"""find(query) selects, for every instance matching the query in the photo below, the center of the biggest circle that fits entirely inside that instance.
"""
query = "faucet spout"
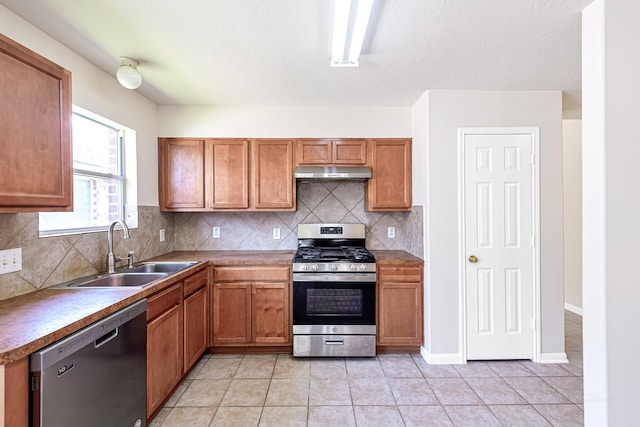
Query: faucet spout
(112, 260)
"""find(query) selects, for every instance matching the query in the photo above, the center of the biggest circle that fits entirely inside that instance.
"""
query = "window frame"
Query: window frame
(125, 136)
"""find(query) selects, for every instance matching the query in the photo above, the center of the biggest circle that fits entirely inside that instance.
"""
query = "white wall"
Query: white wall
(611, 208)
(572, 190)
(446, 112)
(284, 122)
(99, 93)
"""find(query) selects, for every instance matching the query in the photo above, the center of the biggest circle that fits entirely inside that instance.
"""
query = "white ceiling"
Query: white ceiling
(276, 52)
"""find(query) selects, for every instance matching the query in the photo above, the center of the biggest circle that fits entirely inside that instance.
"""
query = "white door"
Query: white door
(498, 243)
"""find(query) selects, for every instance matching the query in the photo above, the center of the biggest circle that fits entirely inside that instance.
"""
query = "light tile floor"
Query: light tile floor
(389, 390)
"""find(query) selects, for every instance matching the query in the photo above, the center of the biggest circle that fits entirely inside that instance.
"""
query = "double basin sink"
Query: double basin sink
(137, 277)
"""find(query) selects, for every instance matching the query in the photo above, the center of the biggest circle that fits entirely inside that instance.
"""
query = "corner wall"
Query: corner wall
(446, 112)
(572, 190)
(611, 208)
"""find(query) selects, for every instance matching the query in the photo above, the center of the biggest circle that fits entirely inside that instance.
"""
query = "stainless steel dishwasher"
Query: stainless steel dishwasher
(95, 377)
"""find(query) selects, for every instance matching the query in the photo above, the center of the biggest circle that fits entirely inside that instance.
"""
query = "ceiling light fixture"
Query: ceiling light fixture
(350, 21)
(128, 74)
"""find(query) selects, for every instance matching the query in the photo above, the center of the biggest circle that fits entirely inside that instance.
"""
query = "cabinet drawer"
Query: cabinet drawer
(400, 274)
(251, 274)
(163, 300)
(195, 282)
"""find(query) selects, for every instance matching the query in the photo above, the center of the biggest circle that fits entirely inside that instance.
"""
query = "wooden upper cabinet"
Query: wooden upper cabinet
(273, 181)
(349, 152)
(181, 174)
(389, 188)
(227, 174)
(331, 152)
(35, 132)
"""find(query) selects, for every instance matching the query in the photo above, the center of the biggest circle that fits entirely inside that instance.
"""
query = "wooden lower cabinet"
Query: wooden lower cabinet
(177, 335)
(400, 306)
(231, 313)
(196, 316)
(250, 306)
(164, 346)
(15, 380)
(270, 313)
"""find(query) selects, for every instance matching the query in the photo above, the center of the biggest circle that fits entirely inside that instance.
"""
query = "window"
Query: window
(99, 180)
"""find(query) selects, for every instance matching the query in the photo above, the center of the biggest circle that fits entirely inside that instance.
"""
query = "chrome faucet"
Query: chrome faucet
(112, 260)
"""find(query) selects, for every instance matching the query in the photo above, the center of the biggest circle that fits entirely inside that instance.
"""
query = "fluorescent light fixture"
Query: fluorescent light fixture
(349, 26)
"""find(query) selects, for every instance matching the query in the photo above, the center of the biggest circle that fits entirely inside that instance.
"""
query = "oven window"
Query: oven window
(334, 302)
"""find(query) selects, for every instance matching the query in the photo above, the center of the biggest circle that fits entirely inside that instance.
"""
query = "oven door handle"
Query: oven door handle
(334, 277)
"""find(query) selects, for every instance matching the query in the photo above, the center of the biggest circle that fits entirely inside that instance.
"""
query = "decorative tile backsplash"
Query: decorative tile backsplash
(332, 202)
(50, 261)
(53, 260)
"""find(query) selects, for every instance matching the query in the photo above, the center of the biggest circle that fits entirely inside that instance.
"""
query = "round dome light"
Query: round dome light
(128, 75)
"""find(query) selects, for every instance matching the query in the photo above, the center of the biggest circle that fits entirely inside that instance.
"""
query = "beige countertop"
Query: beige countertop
(32, 321)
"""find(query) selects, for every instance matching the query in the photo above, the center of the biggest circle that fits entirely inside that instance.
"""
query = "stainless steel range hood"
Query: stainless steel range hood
(332, 173)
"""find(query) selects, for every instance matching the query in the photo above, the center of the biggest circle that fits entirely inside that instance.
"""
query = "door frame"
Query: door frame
(534, 132)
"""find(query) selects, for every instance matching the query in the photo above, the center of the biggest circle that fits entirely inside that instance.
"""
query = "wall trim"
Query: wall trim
(573, 308)
(441, 359)
(553, 358)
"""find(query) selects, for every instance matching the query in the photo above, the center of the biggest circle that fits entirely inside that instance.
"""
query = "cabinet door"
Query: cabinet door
(164, 356)
(228, 174)
(389, 188)
(270, 313)
(274, 185)
(313, 152)
(231, 313)
(35, 128)
(181, 174)
(195, 326)
(349, 152)
(400, 313)
(16, 392)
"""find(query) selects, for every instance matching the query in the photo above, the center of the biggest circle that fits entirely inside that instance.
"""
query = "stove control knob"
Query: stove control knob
(363, 267)
(314, 267)
(305, 267)
(353, 267)
(334, 267)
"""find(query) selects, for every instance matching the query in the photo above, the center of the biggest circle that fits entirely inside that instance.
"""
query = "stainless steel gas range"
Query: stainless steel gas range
(334, 292)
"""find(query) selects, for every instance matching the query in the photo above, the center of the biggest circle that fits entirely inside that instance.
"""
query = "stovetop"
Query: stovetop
(334, 254)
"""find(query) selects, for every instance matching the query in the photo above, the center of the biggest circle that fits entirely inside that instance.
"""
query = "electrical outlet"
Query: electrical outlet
(10, 260)
(391, 232)
(276, 233)
(216, 232)
(162, 234)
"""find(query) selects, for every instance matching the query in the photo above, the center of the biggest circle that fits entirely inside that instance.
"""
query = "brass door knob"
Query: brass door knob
(473, 259)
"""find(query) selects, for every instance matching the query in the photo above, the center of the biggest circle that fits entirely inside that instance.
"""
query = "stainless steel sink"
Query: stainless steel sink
(160, 267)
(140, 276)
(131, 280)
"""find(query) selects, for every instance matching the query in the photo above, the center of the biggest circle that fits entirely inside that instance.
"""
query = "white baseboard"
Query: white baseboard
(554, 358)
(572, 308)
(441, 359)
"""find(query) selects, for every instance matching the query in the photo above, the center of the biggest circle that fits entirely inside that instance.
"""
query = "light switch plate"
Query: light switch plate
(276, 233)
(162, 235)
(216, 232)
(10, 260)
(391, 232)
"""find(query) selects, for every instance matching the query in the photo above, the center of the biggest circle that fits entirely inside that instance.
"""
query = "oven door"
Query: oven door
(334, 299)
